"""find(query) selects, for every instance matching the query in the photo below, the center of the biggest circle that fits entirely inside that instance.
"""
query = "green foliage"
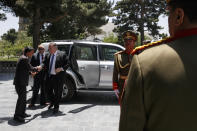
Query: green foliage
(111, 38)
(23, 38)
(2, 16)
(79, 18)
(10, 59)
(164, 35)
(147, 38)
(5, 7)
(8, 50)
(13, 6)
(138, 15)
(38, 11)
(10, 36)
(88, 17)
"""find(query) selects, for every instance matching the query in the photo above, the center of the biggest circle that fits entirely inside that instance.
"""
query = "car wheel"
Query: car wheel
(69, 90)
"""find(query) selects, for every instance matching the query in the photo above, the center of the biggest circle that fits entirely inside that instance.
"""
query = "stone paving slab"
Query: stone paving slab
(89, 111)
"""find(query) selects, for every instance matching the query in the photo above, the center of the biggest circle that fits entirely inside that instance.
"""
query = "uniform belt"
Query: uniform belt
(123, 77)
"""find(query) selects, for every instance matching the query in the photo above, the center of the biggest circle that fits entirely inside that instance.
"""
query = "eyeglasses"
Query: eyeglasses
(41, 48)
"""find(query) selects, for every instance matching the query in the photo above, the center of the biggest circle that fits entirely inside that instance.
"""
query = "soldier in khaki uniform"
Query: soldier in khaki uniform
(161, 90)
(122, 62)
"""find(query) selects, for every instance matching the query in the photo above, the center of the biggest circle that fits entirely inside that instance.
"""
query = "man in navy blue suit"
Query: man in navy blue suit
(39, 82)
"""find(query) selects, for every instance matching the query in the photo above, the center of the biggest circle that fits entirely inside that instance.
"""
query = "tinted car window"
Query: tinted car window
(64, 48)
(86, 53)
(107, 52)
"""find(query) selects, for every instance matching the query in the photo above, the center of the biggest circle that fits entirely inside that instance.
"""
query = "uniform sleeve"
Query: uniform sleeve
(132, 117)
(115, 74)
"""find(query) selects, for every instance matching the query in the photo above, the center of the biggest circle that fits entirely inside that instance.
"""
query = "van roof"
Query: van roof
(64, 42)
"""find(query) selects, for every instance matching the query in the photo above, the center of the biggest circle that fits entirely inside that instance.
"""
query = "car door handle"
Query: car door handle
(82, 68)
(105, 67)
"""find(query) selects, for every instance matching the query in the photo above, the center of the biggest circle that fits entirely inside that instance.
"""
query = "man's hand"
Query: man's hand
(57, 70)
(39, 68)
(117, 93)
(33, 74)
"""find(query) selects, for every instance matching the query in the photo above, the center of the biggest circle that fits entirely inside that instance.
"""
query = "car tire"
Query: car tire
(69, 90)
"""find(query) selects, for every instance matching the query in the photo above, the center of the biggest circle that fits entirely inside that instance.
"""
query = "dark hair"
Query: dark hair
(27, 49)
(189, 8)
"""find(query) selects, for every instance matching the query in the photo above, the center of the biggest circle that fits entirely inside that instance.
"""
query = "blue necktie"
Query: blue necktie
(42, 57)
(51, 64)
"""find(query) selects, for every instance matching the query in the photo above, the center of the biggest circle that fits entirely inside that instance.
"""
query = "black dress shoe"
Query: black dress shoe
(31, 106)
(50, 106)
(55, 110)
(26, 115)
(44, 104)
(19, 119)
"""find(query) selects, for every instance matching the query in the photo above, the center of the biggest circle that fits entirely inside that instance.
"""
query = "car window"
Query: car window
(64, 48)
(107, 52)
(85, 52)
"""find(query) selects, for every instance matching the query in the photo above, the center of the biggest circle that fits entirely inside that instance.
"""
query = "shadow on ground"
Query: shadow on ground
(80, 109)
(4, 119)
(82, 97)
(89, 97)
(94, 98)
(43, 114)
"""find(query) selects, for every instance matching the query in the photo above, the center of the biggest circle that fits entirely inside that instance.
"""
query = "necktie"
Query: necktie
(42, 57)
(51, 64)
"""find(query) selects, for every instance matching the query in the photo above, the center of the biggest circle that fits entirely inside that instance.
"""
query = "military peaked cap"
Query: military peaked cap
(129, 35)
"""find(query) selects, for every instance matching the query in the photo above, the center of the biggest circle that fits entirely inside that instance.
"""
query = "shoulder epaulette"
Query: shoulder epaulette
(141, 48)
(119, 52)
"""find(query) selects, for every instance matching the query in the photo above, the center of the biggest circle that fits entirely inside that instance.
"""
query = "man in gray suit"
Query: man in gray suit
(161, 90)
(21, 79)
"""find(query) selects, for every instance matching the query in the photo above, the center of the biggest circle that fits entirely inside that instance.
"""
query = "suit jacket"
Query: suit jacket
(61, 61)
(35, 61)
(23, 68)
(161, 90)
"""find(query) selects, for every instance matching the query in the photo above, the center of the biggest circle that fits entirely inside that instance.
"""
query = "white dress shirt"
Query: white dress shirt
(41, 57)
(53, 66)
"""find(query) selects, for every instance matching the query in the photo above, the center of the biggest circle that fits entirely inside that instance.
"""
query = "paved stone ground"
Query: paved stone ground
(89, 111)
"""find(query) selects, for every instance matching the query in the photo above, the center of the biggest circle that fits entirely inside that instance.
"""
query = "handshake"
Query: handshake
(36, 70)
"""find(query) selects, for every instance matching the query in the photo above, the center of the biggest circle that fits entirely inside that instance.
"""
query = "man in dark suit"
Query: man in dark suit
(55, 65)
(161, 90)
(39, 83)
(21, 80)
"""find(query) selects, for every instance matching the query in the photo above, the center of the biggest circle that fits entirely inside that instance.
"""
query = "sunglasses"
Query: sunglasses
(41, 49)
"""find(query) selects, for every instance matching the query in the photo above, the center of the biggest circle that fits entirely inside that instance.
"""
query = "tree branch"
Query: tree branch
(52, 20)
